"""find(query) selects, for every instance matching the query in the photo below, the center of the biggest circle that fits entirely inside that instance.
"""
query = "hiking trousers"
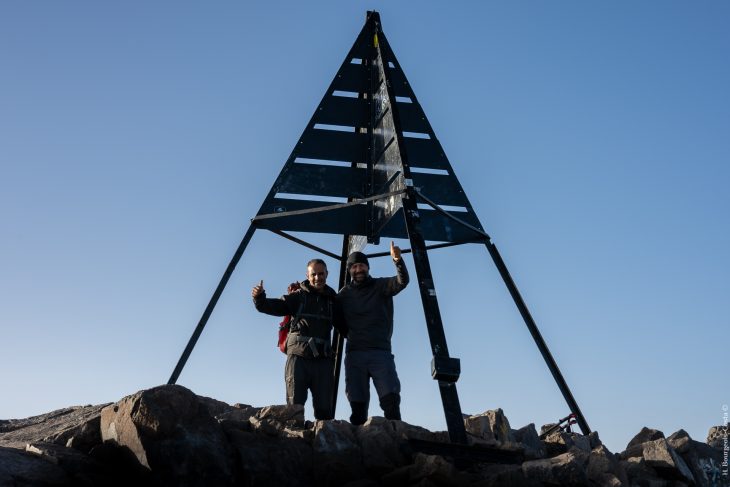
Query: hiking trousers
(361, 365)
(310, 374)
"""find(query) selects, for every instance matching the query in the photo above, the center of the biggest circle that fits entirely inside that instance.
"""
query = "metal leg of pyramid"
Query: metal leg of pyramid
(338, 341)
(522, 307)
(537, 336)
(211, 305)
(445, 369)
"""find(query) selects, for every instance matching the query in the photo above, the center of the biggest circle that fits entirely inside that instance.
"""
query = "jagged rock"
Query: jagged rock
(496, 475)
(428, 470)
(337, 456)
(547, 427)
(278, 420)
(594, 440)
(79, 424)
(169, 436)
(604, 469)
(435, 470)
(680, 441)
(83, 469)
(717, 437)
(267, 426)
(639, 473)
(704, 462)
(237, 414)
(635, 447)
(289, 415)
(214, 407)
(491, 426)
(380, 446)
(527, 437)
(18, 467)
(646, 434)
(171, 433)
(559, 442)
(567, 469)
(237, 418)
(667, 463)
(271, 461)
(405, 430)
(306, 434)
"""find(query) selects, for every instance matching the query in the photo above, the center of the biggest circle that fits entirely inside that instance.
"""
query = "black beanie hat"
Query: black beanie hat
(357, 258)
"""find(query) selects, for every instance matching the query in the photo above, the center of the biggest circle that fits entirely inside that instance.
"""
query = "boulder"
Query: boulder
(704, 462)
(76, 426)
(639, 473)
(214, 407)
(337, 456)
(528, 439)
(381, 446)
(405, 430)
(665, 461)
(604, 469)
(429, 470)
(646, 434)
(717, 437)
(635, 447)
(237, 414)
(567, 469)
(491, 426)
(171, 433)
(679, 441)
(559, 442)
(170, 436)
(237, 418)
(594, 440)
(81, 468)
(497, 475)
(268, 460)
(435, 470)
(289, 415)
(266, 426)
(18, 467)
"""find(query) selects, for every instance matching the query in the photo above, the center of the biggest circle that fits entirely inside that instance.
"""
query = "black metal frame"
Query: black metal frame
(376, 59)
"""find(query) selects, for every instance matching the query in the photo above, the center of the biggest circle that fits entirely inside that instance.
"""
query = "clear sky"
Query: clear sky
(137, 139)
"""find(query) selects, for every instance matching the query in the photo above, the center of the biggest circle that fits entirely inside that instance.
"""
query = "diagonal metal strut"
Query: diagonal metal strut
(526, 316)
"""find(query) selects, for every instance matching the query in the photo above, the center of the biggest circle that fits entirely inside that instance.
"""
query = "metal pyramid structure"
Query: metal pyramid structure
(368, 165)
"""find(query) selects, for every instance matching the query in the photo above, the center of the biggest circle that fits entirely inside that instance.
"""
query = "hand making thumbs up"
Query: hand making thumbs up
(258, 290)
(394, 251)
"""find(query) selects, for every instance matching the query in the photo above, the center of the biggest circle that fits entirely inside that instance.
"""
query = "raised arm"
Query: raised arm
(395, 284)
(274, 307)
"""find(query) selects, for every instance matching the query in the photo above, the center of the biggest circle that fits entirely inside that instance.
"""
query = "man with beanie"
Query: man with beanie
(367, 307)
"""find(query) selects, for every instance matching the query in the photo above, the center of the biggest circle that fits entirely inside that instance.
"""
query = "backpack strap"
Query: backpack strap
(294, 322)
(312, 342)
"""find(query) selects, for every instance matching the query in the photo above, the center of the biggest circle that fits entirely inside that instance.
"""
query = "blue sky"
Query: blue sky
(137, 140)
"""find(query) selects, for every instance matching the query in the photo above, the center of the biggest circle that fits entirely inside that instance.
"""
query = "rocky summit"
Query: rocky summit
(169, 436)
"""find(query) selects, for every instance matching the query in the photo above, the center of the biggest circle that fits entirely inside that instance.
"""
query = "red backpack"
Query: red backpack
(284, 325)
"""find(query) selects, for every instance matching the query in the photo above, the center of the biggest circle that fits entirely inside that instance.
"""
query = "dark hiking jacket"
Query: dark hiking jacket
(315, 313)
(367, 309)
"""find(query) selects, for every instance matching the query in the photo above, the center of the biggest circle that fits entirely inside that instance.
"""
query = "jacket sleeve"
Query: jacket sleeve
(338, 318)
(395, 284)
(275, 307)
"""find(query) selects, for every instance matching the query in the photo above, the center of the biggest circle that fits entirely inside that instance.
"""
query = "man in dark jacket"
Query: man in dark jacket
(367, 307)
(309, 361)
